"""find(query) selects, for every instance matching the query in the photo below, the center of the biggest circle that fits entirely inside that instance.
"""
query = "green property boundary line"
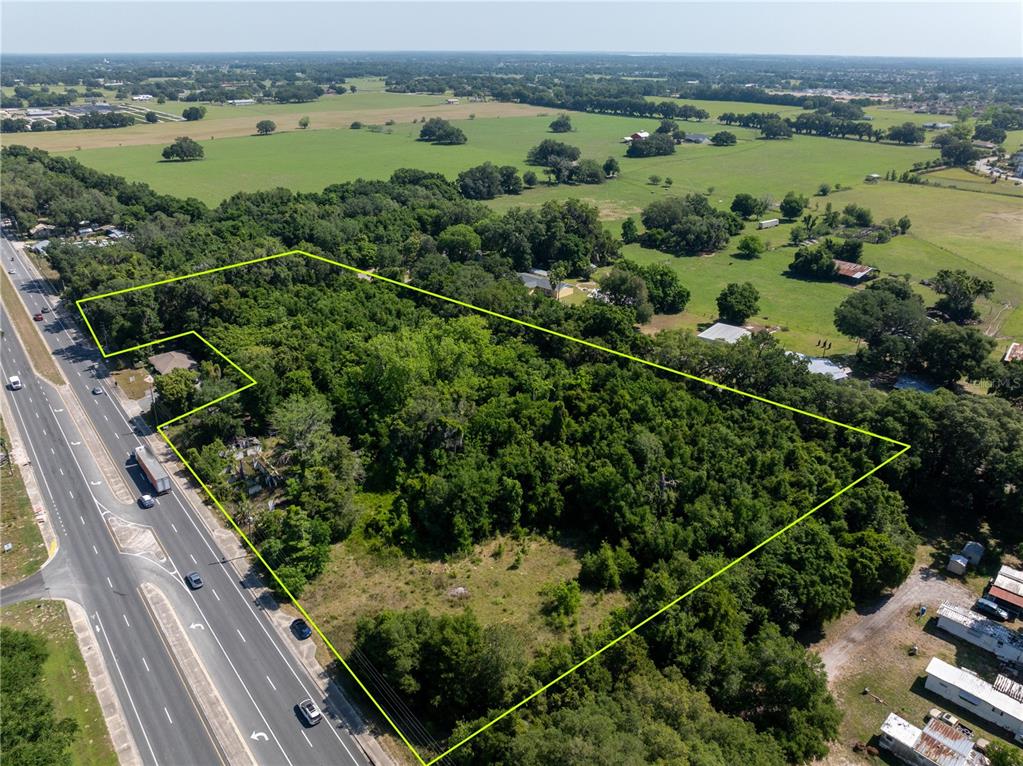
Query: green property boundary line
(251, 382)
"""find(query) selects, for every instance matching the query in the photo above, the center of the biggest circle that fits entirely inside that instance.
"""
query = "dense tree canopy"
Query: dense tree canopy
(473, 426)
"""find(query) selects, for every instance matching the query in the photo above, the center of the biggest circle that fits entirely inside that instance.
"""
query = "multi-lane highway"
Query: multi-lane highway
(252, 667)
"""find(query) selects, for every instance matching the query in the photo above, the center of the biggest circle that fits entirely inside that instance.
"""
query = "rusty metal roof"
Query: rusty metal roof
(944, 744)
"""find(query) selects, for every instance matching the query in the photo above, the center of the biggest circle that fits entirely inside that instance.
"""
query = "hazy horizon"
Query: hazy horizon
(942, 30)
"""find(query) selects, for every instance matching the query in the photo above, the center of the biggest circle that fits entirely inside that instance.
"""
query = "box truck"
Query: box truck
(151, 467)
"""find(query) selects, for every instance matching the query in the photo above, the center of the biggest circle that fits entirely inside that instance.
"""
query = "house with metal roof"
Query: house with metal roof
(1007, 590)
(724, 332)
(937, 744)
(1005, 643)
(852, 271)
(971, 692)
(542, 282)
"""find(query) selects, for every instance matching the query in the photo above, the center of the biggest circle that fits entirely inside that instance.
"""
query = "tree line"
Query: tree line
(477, 426)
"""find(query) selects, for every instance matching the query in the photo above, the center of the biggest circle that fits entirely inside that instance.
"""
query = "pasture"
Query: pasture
(310, 160)
(952, 228)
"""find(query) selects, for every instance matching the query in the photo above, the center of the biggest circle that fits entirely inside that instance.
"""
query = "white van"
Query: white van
(15, 382)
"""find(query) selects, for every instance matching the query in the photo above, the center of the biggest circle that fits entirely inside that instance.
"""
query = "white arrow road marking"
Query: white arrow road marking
(76, 444)
(259, 736)
(198, 625)
(95, 483)
(60, 410)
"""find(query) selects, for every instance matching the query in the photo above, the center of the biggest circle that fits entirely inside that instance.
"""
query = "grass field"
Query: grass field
(951, 230)
(958, 178)
(17, 525)
(503, 578)
(65, 678)
(309, 161)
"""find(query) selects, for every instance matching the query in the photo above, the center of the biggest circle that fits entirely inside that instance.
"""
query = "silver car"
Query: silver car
(310, 712)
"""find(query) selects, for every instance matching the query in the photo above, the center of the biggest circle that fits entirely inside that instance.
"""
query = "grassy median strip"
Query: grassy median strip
(65, 678)
(41, 358)
(17, 523)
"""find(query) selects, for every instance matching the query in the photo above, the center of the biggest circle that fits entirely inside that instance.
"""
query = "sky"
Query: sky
(812, 27)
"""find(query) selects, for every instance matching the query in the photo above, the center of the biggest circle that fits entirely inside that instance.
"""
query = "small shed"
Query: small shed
(957, 564)
(973, 552)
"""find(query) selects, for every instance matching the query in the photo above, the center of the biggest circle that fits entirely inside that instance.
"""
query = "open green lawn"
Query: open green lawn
(65, 678)
(314, 159)
(951, 230)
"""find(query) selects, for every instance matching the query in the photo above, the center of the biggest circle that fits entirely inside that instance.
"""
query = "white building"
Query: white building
(1004, 643)
(142, 97)
(937, 744)
(971, 692)
(725, 332)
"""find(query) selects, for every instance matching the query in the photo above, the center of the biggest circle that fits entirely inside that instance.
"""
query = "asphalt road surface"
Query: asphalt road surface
(258, 678)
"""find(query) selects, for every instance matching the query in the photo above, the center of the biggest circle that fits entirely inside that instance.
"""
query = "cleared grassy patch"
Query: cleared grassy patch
(24, 326)
(133, 382)
(17, 524)
(502, 577)
(66, 678)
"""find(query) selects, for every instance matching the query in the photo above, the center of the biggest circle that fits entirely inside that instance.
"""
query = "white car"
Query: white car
(310, 712)
(14, 382)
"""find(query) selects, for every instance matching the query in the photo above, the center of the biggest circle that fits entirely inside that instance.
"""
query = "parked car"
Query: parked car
(991, 609)
(301, 629)
(310, 712)
(941, 715)
(147, 501)
(194, 580)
